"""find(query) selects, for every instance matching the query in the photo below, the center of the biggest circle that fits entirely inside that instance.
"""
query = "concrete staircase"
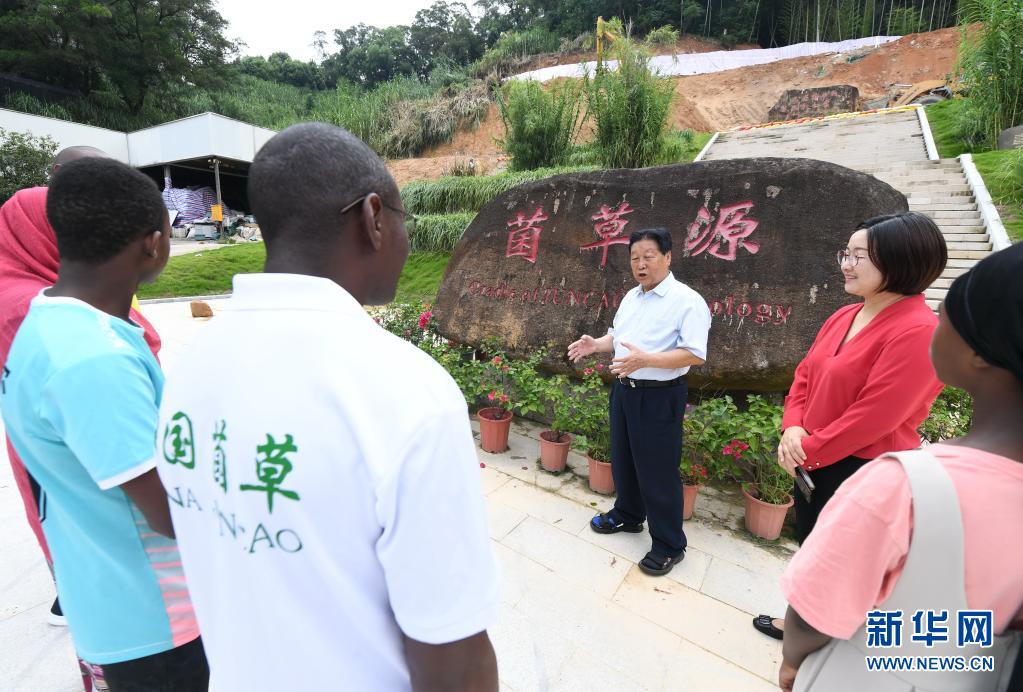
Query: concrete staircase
(891, 147)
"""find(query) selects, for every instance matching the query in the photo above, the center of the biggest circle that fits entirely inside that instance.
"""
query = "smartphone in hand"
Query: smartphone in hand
(804, 483)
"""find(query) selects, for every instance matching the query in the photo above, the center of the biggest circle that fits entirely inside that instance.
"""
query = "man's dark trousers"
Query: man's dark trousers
(646, 448)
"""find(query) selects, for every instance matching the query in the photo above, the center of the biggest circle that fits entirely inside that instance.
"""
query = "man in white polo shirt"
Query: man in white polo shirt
(659, 332)
(323, 478)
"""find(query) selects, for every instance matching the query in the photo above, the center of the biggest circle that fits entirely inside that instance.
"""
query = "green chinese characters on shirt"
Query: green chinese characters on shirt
(178, 441)
(272, 468)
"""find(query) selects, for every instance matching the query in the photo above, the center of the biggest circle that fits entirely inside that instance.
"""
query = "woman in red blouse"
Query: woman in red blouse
(867, 382)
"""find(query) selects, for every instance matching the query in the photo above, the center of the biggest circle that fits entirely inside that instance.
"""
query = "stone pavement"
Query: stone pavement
(577, 613)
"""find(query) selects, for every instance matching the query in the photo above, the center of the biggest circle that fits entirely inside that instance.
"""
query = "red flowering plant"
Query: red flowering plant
(754, 451)
(691, 472)
(494, 382)
(411, 321)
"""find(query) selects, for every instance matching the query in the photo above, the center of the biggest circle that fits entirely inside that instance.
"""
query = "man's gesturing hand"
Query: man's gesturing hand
(585, 346)
(625, 365)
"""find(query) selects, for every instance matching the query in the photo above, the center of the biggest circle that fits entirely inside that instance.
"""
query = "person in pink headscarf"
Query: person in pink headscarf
(28, 264)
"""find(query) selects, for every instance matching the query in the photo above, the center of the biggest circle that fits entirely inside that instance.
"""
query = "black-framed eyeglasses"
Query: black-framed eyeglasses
(409, 219)
(844, 256)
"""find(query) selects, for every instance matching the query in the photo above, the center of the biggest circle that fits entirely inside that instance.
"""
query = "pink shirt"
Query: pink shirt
(857, 550)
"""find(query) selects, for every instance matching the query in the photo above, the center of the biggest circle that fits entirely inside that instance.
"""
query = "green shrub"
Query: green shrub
(950, 416)
(755, 450)
(663, 36)
(676, 147)
(513, 49)
(629, 107)
(465, 168)
(707, 428)
(580, 44)
(991, 60)
(24, 161)
(592, 423)
(539, 123)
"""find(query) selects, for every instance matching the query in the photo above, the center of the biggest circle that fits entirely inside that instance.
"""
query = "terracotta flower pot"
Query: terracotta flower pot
(495, 423)
(689, 493)
(554, 452)
(601, 480)
(764, 519)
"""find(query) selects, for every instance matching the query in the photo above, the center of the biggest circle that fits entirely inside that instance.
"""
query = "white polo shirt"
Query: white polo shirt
(325, 492)
(669, 316)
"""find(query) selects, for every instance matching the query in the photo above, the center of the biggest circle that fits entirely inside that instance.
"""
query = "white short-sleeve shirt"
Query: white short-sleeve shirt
(325, 492)
(667, 317)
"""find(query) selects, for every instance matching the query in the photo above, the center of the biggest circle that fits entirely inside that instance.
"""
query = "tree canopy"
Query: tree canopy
(119, 54)
(129, 46)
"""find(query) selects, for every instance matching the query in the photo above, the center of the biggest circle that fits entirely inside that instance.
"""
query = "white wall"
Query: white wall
(202, 135)
(67, 134)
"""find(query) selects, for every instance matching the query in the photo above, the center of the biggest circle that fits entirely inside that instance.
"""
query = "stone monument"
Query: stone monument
(757, 238)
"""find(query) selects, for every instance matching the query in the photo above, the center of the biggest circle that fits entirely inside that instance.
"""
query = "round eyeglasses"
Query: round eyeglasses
(844, 256)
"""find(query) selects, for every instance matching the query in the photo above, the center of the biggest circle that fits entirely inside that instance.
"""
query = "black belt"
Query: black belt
(633, 384)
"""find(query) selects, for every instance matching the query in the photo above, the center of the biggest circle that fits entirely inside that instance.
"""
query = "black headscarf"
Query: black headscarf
(985, 305)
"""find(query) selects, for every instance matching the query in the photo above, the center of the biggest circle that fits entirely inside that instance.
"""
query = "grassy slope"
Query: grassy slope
(209, 273)
(943, 120)
(988, 163)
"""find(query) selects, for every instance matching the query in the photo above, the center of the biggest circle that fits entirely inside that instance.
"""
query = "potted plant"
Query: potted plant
(693, 476)
(766, 499)
(766, 492)
(495, 418)
(593, 424)
(556, 441)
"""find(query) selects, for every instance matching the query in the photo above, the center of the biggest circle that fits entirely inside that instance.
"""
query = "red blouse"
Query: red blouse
(869, 395)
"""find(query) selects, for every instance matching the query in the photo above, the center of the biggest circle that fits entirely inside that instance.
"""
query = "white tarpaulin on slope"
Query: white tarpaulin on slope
(718, 61)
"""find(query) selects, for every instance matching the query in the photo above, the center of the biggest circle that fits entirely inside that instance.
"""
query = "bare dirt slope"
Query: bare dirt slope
(723, 100)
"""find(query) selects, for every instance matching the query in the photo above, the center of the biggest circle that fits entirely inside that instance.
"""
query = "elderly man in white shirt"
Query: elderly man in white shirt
(659, 332)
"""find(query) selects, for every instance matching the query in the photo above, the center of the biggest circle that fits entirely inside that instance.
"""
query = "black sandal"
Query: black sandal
(765, 624)
(605, 523)
(659, 565)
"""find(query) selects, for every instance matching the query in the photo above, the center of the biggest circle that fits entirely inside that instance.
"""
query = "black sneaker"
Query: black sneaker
(605, 523)
(56, 616)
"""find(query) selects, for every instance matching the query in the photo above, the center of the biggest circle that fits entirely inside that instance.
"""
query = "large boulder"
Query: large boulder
(809, 103)
(1011, 138)
(757, 238)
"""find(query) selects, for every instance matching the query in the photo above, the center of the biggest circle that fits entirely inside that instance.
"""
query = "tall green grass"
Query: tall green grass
(991, 60)
(468, 194)
(629, 107)
(540, 123)
(439, 232)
